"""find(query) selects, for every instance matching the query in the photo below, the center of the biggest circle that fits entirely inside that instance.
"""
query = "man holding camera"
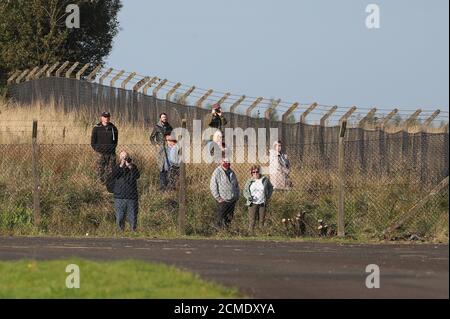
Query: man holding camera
(217, 120)
(126, 196)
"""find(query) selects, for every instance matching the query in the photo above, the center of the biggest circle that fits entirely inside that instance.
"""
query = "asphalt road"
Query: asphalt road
(268, 269)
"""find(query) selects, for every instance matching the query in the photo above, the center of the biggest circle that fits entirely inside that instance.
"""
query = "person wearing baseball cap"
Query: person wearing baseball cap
(104, 140)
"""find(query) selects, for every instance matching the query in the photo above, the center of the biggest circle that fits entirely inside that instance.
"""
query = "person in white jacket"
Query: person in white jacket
(279, 167)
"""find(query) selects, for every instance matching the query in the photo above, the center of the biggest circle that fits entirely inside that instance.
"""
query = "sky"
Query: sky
(297, 50)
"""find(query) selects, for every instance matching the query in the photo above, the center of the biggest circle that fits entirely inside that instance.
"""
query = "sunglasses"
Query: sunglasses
(255, 172)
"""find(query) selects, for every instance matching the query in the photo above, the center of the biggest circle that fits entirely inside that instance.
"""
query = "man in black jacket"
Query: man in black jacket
(104, 140)
(216, 118)
(161, 129)
(126, 196)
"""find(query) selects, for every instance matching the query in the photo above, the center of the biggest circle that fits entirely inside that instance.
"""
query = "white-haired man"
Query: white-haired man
(224, 187)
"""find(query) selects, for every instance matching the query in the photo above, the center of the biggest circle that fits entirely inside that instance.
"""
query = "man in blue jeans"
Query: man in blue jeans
(126, 198)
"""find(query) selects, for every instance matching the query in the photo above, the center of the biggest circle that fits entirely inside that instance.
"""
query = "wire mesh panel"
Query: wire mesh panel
(90, 99)
(74, 200)
(374, 199)
(385, 174)
(429, 222)
(16, 187)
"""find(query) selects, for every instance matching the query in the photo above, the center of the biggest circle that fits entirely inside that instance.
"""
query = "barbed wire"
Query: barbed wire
(286, 104)
(263, 105)
(283, 105)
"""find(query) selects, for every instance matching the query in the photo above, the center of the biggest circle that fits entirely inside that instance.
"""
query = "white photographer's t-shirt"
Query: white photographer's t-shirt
(257, 192)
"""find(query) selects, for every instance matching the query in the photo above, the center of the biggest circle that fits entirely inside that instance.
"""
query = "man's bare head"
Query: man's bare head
(163, 117)
(122, 155)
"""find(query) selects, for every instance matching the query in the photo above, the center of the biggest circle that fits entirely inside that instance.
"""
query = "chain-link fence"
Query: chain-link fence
(74, 200)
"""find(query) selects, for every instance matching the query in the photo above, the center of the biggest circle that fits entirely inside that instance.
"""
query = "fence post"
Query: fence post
(200, 101)
(341, 187)
(36, 187)
(182, 191)
(236, 104)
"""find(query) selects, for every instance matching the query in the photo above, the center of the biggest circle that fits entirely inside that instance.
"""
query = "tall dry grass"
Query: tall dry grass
(56, 126)
(74, 203)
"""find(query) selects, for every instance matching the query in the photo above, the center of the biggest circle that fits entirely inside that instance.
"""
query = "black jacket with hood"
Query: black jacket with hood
(125, 182)
(104, 138)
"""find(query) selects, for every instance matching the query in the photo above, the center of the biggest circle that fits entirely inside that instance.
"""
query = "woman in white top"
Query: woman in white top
(257, 192)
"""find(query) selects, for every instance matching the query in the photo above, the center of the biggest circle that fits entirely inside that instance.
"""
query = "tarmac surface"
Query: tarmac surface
(267, 269)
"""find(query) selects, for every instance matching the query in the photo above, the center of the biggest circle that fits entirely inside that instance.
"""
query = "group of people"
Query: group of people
(121, 178)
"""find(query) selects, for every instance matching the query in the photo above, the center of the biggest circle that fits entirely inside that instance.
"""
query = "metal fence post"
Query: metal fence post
(182, 191)
(341, 187)
(36, 187)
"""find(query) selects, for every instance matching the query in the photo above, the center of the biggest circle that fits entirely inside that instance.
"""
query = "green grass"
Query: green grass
(118, 279)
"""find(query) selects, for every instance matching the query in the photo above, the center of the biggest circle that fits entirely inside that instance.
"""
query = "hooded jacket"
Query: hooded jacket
(104, 138)
(125, 182)
(160, 129)
(279, 169)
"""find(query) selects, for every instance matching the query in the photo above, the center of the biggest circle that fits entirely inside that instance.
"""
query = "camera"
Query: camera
(128, 159)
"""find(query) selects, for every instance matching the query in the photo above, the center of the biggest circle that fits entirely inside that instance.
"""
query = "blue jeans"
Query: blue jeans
(129, 208)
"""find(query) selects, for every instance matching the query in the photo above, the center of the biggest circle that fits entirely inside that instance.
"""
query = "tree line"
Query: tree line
(34, 32)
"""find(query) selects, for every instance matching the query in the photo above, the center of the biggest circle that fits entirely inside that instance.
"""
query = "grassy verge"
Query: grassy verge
(120, 279)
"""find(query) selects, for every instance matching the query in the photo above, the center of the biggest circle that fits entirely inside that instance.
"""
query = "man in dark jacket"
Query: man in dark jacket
(161, 129)
(216, 119)
(126, 196)
(104, 140)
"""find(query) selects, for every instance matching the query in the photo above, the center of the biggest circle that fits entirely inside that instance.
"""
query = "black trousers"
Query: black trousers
(225, 213)
(168, 180)
(163, 180)
(105, 164)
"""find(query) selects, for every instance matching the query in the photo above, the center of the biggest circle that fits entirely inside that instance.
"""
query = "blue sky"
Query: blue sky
(296, 50)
